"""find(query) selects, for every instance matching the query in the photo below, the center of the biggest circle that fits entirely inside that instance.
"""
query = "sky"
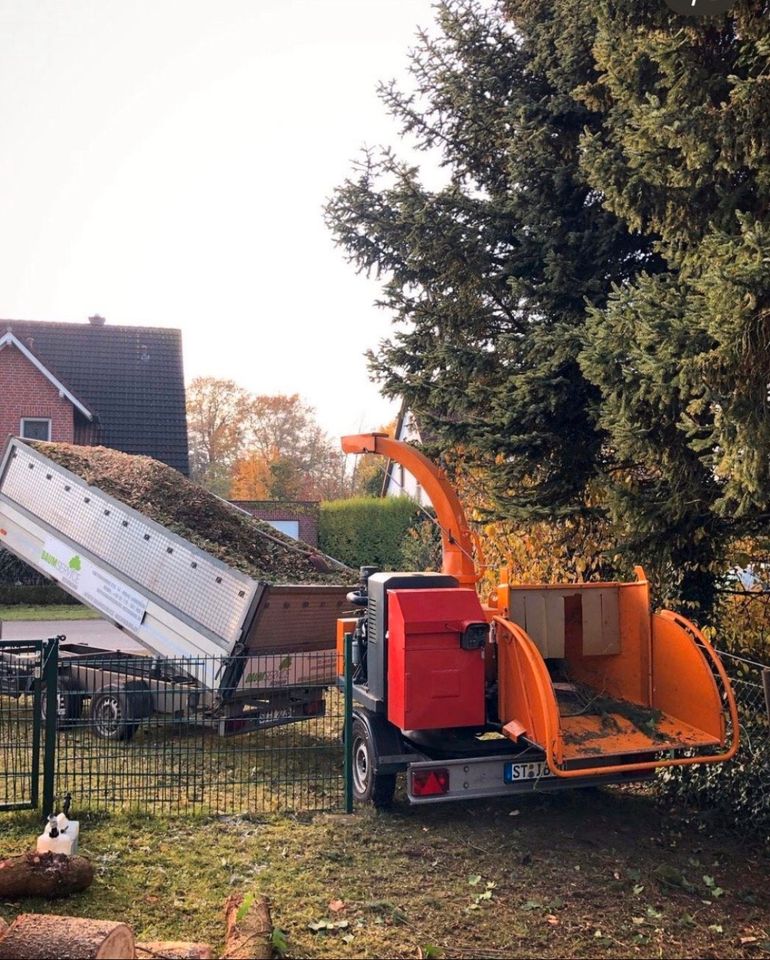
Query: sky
(166, 163)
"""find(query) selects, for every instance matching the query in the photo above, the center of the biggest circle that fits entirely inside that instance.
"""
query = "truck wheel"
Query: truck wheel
(69, 703)
(111, 717)
(368, 785)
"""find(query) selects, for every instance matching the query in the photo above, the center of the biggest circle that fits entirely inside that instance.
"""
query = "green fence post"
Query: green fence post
(348, 734)
(37, 723)
(51, 684)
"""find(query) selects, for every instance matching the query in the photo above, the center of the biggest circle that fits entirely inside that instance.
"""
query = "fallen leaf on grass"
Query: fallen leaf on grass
(745, 940)
(336, 905)
(328, 925)
(670, 877)
(554, 921)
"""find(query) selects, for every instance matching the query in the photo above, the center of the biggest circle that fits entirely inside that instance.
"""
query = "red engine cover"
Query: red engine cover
(432, 681)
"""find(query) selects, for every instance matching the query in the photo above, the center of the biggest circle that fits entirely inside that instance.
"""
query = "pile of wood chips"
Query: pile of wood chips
(187, 509)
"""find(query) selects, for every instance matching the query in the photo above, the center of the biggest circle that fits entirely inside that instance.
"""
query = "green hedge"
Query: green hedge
(15, 571)
(368, 530)
(37, 596)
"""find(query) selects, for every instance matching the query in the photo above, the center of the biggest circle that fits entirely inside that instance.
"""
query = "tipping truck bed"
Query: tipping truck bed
(173, 598)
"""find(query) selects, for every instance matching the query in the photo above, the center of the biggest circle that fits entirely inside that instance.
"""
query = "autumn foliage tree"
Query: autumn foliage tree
(216, 426)
(257, 447)
(287, 456)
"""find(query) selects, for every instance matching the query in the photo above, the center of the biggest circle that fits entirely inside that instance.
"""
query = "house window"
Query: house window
(289, 527)
(35, 428)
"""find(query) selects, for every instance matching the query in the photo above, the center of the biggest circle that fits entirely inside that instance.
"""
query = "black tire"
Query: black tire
(111, 717)
(368, 785)
(69, 703)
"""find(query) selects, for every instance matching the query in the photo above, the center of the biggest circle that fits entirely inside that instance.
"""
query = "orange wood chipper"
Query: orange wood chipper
(546, 686)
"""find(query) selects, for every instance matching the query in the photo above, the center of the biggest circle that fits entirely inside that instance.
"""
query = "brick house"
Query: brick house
(95, 384)
(298, 519)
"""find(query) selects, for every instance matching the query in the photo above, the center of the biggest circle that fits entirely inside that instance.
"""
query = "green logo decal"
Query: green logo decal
(75, 563)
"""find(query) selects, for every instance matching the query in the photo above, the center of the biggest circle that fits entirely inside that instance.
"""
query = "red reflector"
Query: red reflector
(430, 783)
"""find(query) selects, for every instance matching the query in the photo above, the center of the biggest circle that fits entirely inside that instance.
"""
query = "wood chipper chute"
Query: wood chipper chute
(544, 686)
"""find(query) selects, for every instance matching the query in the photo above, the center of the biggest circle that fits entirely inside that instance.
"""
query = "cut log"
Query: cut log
(3, 928)
(248, 928)
(34, 936)
(44, 875)
(173, 950)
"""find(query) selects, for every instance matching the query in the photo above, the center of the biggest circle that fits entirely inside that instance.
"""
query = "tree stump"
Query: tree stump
(173, 950)
(44, 875)
(248, 928)
(34, 936)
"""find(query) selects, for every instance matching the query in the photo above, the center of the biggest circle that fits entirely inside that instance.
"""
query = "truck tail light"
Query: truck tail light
(430, 783)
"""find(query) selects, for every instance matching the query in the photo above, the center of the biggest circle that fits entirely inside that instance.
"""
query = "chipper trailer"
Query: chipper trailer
(545, 687)
(223, 649)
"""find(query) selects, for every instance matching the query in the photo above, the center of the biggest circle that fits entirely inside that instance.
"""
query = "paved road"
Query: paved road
(94, 633)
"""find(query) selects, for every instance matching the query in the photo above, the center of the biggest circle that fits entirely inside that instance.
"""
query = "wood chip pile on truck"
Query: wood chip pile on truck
(180, 571)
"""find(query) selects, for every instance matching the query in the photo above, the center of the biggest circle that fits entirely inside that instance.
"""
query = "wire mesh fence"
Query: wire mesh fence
(233, 735)
(746, 680)
(20, 668)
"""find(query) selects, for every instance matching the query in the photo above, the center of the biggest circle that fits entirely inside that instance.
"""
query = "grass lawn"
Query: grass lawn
(60, 611)
(603, 873)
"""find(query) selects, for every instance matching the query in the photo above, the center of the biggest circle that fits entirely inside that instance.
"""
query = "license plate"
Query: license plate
(516, 772)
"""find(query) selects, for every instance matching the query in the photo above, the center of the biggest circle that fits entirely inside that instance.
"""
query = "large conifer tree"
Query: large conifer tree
(487, 278)
(682, 359)
(586, 304)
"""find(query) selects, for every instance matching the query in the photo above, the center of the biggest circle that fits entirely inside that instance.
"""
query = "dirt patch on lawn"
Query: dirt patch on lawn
(164, 495)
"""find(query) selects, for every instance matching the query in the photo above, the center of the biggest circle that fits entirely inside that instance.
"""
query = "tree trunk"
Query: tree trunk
(34, 936)
(249, 937)
(173, 950)
(44, 875)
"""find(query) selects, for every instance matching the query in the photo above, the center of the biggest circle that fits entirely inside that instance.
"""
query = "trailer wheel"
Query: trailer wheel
(111, 715)
(69, 703)
(368, 785)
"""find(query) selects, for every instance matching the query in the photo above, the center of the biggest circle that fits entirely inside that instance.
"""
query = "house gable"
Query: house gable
(30, 394)
(129, 378)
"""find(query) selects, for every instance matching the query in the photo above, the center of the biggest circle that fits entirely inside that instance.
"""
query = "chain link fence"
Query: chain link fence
(746, 678)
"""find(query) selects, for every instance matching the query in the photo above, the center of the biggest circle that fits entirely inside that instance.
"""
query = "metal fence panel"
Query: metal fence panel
(141, 733)
(25, 668)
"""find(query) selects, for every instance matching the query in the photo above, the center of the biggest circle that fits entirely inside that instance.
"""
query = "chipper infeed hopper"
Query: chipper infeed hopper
(173, 598)
(603, 685)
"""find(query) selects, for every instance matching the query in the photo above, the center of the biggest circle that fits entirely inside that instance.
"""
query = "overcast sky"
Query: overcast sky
(166, 162)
